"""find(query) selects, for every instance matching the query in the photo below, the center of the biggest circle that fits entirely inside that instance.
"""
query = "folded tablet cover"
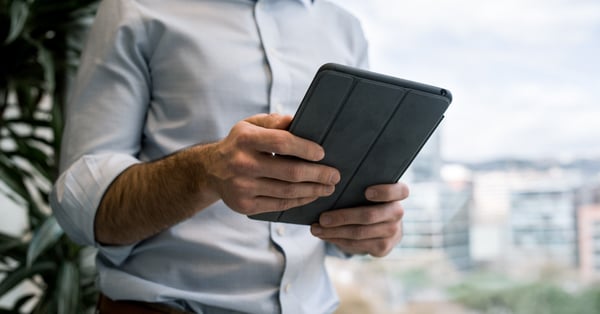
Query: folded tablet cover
(371, 126)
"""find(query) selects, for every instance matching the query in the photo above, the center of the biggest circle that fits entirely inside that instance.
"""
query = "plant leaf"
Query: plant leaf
(12, 248)
(68, 288)
(45, 60)
(36, 214)
(13, 178)
(31, 122)
(17, 276)
(7, 245)
(19, 12)
(57, 127)
(7, 237)
(22, 301)
(45, 237)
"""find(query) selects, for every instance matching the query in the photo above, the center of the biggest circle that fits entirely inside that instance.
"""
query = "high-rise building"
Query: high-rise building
(542, 224)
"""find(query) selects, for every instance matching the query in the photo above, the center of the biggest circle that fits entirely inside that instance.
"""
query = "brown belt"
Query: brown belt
(108, 306)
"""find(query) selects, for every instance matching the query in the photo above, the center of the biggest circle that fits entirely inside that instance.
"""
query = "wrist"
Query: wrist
(197, 165)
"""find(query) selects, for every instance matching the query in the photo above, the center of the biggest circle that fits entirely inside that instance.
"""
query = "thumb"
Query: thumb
(271, 121)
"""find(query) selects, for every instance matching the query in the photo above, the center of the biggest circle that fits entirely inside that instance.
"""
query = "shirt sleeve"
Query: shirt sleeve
(104, 120)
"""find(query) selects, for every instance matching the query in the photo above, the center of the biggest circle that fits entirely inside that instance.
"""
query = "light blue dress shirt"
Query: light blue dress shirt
(158, 76)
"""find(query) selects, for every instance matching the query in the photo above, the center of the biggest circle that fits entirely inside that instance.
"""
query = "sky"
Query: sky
(525, 74)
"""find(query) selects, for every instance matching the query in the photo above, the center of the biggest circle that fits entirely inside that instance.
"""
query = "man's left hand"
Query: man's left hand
(374, 229)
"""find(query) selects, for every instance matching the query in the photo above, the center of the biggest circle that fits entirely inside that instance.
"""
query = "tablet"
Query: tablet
(371, 126)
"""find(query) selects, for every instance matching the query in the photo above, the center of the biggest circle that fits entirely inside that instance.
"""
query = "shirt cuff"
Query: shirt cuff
(77, 193)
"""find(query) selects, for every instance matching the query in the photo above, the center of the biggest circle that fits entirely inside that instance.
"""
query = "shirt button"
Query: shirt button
(287, 288)
(281, 231)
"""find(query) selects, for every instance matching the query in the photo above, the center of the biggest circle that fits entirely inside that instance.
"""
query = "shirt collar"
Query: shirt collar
(307, 2)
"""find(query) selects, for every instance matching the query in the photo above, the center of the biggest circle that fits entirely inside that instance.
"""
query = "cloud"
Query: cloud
(521, 20)
(524, 73)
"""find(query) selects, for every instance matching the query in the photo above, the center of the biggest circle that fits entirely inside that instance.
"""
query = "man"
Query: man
(168, 146)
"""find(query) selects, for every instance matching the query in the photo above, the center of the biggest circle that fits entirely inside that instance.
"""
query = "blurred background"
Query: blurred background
(504, 213)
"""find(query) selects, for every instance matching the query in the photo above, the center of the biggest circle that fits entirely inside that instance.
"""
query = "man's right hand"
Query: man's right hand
(241, 170)
(261, 167)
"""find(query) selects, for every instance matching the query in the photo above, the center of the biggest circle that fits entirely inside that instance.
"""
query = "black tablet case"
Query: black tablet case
(371, 126)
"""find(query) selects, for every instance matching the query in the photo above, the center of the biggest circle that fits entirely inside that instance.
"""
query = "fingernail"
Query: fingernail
(329, 190)
(326, 220)
(316, 230)
(319, 155)
(371, 194)
(334, 178)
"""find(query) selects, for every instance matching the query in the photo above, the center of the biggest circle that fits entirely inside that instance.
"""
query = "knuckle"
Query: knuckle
(288, 191)
(295, 173)
(368, 215)
(398, 211)
(324, 189)
(361, 232)
(242, 135)
(340, 218)
(241, 164)
(323, 175)
(280, 144)
(246, 205)
(391, 230)
(381, 249)
(240, 185)
(237, 204)
(284, 204)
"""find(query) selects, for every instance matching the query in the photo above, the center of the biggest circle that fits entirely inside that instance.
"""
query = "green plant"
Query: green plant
(493, 294)
(40, 43)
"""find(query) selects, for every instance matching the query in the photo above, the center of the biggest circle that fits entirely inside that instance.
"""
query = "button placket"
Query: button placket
(280, 76)
(280, 230)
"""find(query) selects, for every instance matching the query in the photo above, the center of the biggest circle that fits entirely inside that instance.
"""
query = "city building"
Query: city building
(437, 213)
(588, 222)
(542, 225)
(588, 231)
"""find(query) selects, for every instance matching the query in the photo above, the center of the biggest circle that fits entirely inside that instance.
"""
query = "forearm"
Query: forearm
(240, 170)
(150, 197)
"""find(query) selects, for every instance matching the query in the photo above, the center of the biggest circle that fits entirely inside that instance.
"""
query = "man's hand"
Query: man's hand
(240, 169)
(252, 172)
(373, 230)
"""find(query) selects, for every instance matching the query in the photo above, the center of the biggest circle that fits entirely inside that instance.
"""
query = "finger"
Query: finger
(264, 204)
(357, 232)
(375, 247)
(387, 192)
(287, 190)
(285, 143)
(294, 170)
(262, 133)
(365, 215)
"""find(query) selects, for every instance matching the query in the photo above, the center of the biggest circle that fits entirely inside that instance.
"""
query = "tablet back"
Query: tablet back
(371, 126)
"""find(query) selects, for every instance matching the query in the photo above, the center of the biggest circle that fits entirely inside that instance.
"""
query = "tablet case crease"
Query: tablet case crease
(371, 126)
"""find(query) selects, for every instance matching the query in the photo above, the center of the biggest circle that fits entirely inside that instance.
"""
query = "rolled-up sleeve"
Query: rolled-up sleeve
(104, 121)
